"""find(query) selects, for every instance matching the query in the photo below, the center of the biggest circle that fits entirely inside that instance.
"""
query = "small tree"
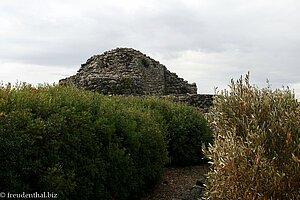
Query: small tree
(256, 149)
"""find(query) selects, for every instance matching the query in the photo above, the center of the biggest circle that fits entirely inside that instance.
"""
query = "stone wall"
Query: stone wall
(128, 71)
(125, 71)
(202, 101)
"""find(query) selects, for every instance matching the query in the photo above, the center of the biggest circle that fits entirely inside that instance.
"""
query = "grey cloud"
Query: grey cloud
(172, 27)
(260, 36)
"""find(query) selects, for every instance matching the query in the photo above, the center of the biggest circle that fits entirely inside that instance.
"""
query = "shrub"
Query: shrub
(145, 62)
(256, 148)
(185, 128)
(79, 144)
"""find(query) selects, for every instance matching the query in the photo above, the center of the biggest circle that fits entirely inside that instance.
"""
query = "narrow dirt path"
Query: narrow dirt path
(176, 180)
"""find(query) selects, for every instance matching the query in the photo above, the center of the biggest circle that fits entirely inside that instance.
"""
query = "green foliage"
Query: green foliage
(125, 82)
(185, 128)
(79, 144)
(123, 87)
(257, 148)
(84, 145)
(145, 62)
(185, 89)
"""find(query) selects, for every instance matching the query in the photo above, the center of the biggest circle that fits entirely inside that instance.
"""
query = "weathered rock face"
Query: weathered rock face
(128, 71)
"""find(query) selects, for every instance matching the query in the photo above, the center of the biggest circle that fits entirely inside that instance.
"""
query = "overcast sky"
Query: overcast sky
(203, 41)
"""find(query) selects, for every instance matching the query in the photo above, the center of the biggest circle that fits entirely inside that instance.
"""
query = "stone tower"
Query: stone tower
(128, 71)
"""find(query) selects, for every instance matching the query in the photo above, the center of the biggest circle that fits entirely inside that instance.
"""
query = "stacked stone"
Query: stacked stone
(128, 71)
(202, 101)
(176, 85)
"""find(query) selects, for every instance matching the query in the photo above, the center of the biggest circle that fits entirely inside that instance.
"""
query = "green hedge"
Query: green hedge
(185, 128)
(256, 152)
(79, 144)
(84, 145)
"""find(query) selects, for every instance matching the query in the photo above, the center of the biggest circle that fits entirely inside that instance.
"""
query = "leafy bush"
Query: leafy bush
(256, 148)
(79, 144)
(185, 128)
